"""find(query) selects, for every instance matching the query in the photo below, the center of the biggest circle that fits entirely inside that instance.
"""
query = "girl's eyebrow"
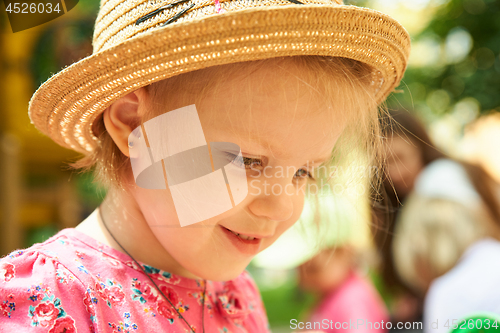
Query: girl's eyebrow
(249, 143)
(316, 161)
(320, 160)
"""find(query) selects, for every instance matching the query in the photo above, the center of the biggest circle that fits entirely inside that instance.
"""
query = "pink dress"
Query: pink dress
(73, 283)
(354, 307)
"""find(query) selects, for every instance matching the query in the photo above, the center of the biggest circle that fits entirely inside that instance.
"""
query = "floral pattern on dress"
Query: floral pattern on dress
(125, 326)
(7, 271)
(49, 311)
(80, 267)
(110, 291)
(73, 284)
(36, 292)
(165, 308)
(64, 325)
(44, 314)
(7, 306)
(16, 254)
(64, 240)
(230, 302)
(110, 260)
(144, 293)
(156, 273)
(90, 301)
(198, 296)
(80, 255)
(64, 275)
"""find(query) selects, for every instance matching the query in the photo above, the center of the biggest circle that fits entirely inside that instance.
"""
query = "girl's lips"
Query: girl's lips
(245, 246)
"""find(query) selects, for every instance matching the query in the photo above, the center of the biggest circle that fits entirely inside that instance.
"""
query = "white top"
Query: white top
(447, 179)
(472, 286)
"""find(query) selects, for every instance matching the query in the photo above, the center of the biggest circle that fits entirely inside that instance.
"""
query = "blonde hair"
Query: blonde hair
(330, 77)
(431, 235)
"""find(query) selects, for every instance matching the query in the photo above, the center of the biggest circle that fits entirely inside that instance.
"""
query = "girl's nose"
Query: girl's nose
(272, 205)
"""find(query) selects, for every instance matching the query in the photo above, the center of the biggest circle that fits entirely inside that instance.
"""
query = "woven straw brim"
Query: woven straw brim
(65, 106)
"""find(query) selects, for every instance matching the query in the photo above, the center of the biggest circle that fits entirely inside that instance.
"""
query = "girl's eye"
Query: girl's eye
(245, 162)
(303, 173)
(250, 163)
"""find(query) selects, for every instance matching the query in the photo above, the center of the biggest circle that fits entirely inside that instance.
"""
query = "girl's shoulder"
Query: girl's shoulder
(40, 288)
(72, 256)
(72, 282)
(69, 251)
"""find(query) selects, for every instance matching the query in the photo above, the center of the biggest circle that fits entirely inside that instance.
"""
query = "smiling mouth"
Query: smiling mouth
(244, 237)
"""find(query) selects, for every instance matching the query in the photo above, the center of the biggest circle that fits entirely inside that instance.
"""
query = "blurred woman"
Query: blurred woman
(408, 151)
(447, 243)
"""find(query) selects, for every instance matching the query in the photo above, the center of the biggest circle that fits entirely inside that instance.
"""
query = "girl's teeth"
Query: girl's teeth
(246, 237)
(242, 236)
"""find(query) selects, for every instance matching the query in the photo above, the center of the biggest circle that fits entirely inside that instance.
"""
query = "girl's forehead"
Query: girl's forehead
(271, 91)
(275, 108)
(283, 86)
(275, 103)
(258, 79)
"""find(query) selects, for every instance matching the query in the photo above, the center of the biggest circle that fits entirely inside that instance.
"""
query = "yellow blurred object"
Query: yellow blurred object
(36, 214)
(26, 154)
(18, 86)
(481, 143)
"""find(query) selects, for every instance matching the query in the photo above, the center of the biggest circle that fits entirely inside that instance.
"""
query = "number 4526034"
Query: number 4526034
(472, 323)
(25, 8)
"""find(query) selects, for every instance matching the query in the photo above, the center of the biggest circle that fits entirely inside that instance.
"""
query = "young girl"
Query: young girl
(279, 83)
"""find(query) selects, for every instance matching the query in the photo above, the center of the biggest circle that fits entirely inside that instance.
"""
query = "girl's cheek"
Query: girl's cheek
(298, 205)
(157, 206)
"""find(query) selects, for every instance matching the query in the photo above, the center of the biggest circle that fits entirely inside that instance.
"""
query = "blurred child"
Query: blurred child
(347, 299)
(447, 244)
(345, 295)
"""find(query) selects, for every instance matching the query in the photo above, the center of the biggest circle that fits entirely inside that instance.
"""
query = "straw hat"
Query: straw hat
(133, 49)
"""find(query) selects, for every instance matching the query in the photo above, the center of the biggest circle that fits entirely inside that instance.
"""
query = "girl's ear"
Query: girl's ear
(123, 116)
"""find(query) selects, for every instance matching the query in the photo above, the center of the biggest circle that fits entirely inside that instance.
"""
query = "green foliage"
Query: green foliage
(90, 192)
(40, 234)
(476, 74)
(285, 303)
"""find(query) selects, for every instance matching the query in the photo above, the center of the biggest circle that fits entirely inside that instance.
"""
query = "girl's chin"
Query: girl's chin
(223, 274)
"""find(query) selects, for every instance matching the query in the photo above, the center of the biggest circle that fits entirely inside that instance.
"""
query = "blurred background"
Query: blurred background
(452, 86)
